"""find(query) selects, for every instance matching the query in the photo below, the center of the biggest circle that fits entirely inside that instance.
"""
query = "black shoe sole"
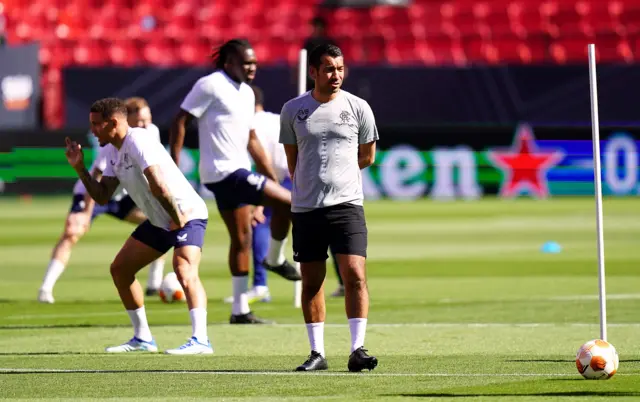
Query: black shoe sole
(290, 276)
(367, 366)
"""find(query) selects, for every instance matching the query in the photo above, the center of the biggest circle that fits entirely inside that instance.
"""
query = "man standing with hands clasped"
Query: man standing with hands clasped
(328, 136)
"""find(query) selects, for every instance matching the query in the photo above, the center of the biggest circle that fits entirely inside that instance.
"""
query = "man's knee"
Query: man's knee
(70, 237)
(241, 240)
(187, 275)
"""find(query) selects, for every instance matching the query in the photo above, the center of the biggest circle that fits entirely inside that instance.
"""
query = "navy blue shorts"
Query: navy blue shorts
(117, 209)
(240, 188)
(192, 234)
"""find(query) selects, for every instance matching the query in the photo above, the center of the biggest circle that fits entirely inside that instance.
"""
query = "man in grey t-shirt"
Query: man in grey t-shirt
(328, 136)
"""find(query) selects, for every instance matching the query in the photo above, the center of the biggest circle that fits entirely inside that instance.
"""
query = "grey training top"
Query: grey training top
(327, 136)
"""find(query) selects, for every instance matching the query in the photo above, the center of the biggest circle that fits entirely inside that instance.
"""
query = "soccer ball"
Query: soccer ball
(170, 289)
(597, 360)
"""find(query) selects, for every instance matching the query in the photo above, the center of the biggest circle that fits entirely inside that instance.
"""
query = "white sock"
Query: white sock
(140, 325)
(358, 328)
(275, 256)
(315, 331)
(156, 269)
(54, 270)
(199, 324)
(261, 289)
(240, 300)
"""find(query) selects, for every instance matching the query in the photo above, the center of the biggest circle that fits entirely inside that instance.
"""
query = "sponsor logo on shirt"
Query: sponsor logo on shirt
(302, 115)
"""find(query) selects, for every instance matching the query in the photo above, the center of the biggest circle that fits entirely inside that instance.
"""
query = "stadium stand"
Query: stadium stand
(181, 32)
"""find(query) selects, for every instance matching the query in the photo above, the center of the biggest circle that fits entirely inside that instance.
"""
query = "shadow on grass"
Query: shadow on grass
(541, 361)
(42, 353)
(142, 371)
(542, 394)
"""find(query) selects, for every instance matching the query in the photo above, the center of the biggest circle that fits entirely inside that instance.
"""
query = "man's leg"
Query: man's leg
(186, 262)
(349, 241)
(310, 245)
(134, 256)
(260, 247)
(135, 215)
(75, 227)
(238, 223)
(278, 198)
(339, 292)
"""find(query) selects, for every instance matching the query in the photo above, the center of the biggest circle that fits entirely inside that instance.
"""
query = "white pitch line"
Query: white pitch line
(428, 325)
(286, 373)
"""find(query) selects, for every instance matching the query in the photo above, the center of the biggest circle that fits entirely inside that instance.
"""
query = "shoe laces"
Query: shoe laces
(190, 342)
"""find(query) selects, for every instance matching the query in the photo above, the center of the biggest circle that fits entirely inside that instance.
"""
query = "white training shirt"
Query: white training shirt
(267, 127)
(138, 152)
(224, 109)
(100, 163)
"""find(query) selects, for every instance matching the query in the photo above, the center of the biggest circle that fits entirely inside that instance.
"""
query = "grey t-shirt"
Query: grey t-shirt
(327, 136)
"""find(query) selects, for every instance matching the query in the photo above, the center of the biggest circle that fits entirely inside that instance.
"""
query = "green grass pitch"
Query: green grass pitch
(463, 306)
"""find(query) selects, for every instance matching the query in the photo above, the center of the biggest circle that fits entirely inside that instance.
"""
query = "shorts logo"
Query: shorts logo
(182, 238)
(255, 180)
(302, 115)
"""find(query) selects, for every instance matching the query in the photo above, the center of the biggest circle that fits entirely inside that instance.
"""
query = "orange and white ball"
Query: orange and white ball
(170, 290)
(597, 360)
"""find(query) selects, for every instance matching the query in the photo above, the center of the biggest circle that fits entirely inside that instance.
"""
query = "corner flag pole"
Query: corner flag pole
(302, 88)
(595, 131)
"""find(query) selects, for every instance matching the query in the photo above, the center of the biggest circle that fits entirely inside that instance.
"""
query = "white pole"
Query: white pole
(302, 88)
(595, 130)
(302, 72)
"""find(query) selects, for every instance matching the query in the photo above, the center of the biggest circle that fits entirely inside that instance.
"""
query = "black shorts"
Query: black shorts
(342, 226)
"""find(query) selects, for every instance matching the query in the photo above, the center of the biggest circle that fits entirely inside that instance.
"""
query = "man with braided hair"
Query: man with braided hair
(223, 103)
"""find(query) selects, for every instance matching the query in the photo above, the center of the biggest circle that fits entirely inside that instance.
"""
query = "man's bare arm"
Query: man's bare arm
(260, 157)
(100, 190)
(177, 133)
(89, 203)
(162, 194)
(292, 157)
(366, 154)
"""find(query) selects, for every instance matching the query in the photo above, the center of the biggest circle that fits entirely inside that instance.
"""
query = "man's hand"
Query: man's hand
(258, 216)
(184, 218)
(74, 154)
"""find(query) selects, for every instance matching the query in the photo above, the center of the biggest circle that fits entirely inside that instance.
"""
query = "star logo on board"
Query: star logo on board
(524, 166)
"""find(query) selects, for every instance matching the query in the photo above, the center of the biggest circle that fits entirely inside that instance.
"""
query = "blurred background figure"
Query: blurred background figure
(317, 37)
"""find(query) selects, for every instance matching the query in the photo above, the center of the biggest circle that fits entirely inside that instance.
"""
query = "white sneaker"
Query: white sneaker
(192, 347)
(134, 345)
(45, 296)
(254, 295)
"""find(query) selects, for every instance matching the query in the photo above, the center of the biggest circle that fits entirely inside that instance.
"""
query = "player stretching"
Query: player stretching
(328, 136)
(224, 105)
(177, 218)
(83, 211)
(267, 128)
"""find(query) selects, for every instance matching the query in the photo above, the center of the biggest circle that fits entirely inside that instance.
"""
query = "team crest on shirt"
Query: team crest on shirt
(346, 119)
(127, 163)
(302, 115)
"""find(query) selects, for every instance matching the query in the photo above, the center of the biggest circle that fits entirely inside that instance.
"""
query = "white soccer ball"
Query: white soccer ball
(597, 360)
(170, 289)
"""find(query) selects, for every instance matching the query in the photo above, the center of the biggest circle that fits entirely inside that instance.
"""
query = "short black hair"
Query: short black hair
(315, 58)
(233, 46)
(259, 95)
(319, 22)
(107, 107)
